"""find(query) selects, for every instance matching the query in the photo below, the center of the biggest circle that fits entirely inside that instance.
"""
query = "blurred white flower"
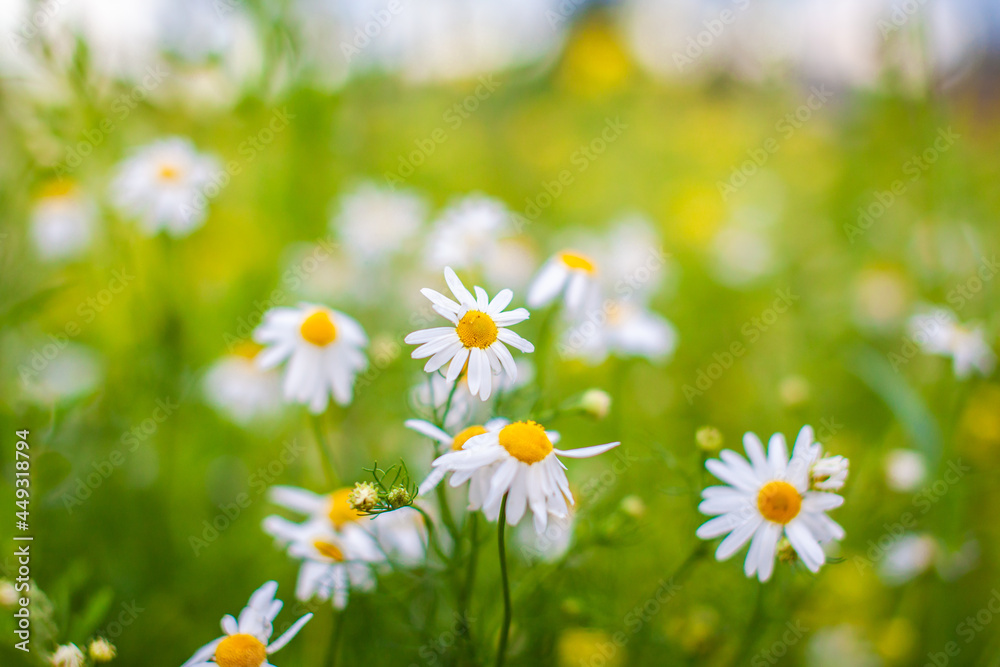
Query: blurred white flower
(375, 222)
(908, 557)
(551, 544)
(938, 332)
(522, 466)
(248, 639)
(478, 335)
(467, 231)
(840, 645)
(624, 329)
(62, 221)
(68, 655)
(324, 349)
(166, 186)
(741, 256)
(767, 498)
(905, 470)
(511, 262)
(237, 387)
(75, 370)
(568, 274)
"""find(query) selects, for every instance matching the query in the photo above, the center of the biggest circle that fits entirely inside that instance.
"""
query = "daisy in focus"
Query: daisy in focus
(517, 461)
(769, 498)
(570, 274)
(324, 349)
(938, 332)
(453, 443)
(247, 639)
(478, 336)
(238, 388)
(165, 186)
(62, 221)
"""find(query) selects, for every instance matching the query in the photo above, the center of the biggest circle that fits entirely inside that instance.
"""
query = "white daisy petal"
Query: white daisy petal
(736, 539)
(586, 452)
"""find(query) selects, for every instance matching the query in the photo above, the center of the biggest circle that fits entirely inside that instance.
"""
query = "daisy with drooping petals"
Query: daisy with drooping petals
(247, 641)
(324, 349)
(523, 465)
(765, 499)
(165, 186)
(453, 443)
(62, 221)
(570, 273)
(477, 337)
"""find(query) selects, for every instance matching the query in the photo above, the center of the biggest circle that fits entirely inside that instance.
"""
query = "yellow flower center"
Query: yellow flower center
(476, 329)
(58, 188)
(240, 651)
(328, 550)
(247, 349)
(464, 436)
(340, 511)
(779, 501)
(169, 172)
(575, 260)
(318, 329)
(525, 441)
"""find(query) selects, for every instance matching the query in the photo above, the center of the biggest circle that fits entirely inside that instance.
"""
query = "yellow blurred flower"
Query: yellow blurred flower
(595, 62)
(585, 646)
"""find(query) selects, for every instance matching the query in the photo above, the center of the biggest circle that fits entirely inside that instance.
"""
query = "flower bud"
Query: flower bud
(709, 439)
(363, 497)
(596, 403)
(101, 650)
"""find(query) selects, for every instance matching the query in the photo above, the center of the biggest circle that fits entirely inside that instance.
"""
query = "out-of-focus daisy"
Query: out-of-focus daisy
(74, 372)
(625, 329)
(522, 464)
(478, 336)
(452, 443)
(765, 499)
(324, 349)
(62, 221)
(905, 470)
(166, 186)
(568, 273)
(68, 655)
(938, 332)
(467, 231)
(908, 557)
(374, 222)
(247, 641)
(240, 389)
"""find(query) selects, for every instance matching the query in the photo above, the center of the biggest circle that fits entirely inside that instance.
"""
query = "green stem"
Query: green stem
(505, 630)
(335, 635)
(470, 577)
(324, 453)
(447, 405)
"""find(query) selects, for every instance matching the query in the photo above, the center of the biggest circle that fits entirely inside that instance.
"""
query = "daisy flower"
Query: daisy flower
(237, 387)
(324, 349)
(519, 461)
(938, 332)
(467, 231)
(375, 222)
(765, 499)
(627, 329)
(477, 336)
(247, 641)
(569, 273)
(62, 221)
(165, 185)
(453, 443)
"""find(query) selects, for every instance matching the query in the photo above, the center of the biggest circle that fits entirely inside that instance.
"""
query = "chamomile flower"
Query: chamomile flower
(569, 273)
(625, 329)
(522, 464)
(452, 443)
(324, 349)
(62, 221)
(467, 231)
(938, 332)
(237, 387)
(766, 499)
(165, 186)
(478, 335)
(375, 222)
(247, 640)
